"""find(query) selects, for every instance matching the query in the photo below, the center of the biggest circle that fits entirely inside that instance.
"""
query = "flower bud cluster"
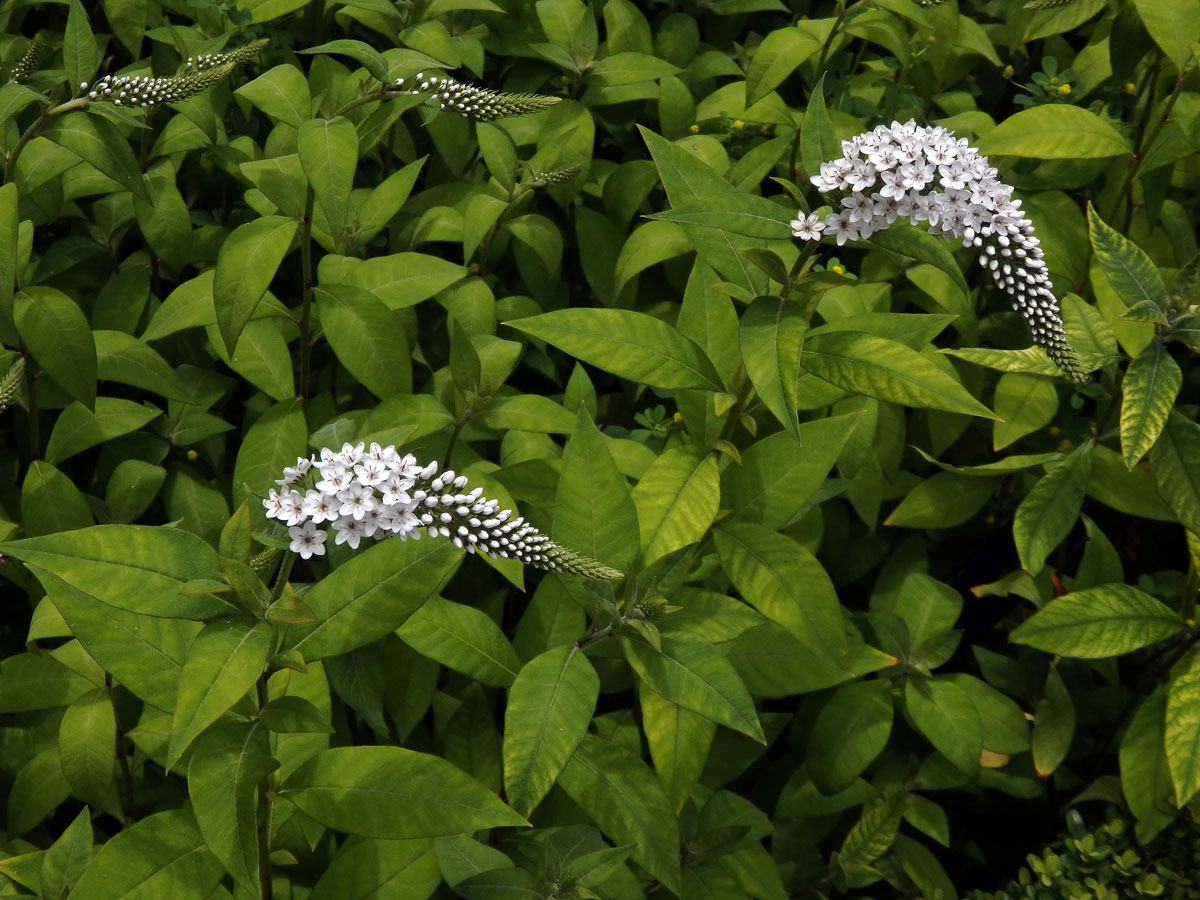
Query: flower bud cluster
(28, 63)
(472, 102)
(378, 493)
(198, 75)
(925, 174)
(11, 382)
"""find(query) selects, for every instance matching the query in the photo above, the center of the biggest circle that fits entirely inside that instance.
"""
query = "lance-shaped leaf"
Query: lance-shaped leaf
(850, 731)
(371, 595)
(818, 143)
(1149, 389)
(783, 581)
(1175, 462)
(1105, 621)
(1130, 271)
(1053, 724)
(222, 664)
(694, 674)
(99, 142)
(131, 567)
(55, 331)
(679, 742)
(627, 343)
(745, 214)
(1182, 738)
(462, 637)
(593, 510)
(393, 793)
(944, 713)
(68, 856)
(1175, 26)
(86, 738)
(1048, 512)
(771, 336)
(624, 798)
(246, 264)
(1055, 131)
(162, 855)
(1145, 774)
(227, 765)
(368, 338)
(328, 150)
(886, 370)
(550, 706)
(677, 499)
(373, 870)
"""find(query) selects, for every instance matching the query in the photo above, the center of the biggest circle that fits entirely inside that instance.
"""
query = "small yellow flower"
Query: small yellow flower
(1064, 89)
(193, 455)
(678, 417)
(837, 270)
(932, 39)
(1054, 431)
(1130, 87)
(693, 128)
(739, 124)
(1008, 72)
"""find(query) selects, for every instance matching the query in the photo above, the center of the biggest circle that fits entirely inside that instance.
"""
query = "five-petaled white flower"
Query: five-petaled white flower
(307, 540)
(807, 227)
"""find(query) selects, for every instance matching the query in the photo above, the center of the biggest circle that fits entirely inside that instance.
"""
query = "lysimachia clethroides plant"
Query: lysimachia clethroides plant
(926, 174)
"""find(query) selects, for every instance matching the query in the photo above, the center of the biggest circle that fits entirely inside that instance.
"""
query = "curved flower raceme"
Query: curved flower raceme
(377, 493)
(198, 75)
(471, 102)
(925, 174)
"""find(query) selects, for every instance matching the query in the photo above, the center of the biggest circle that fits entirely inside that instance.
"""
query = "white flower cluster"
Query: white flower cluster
(925, 174)
(378, 493)
(473, 102)
(146, 90)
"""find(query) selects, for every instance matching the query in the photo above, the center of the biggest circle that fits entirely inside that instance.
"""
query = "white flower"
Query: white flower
(349, 531)
(807, 227)
(320, 507)
(307, 540)
(356, 500)
(929, 175)
(291, 508)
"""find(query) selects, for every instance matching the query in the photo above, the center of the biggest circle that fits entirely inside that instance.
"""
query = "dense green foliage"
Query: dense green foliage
(879, 590)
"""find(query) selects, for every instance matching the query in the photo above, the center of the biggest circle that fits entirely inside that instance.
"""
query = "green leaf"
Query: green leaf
(526, 412)
(1130, 271)
(364, 54)
(1098, 622)
(98, 142)
(676, 499)
(246, 264)
(368, 338)
(56, 333)
(374, 870)
(907, 240)
(328, 150)
(399, 279)
(1149, 389)
(630, 344)
(692, 673)
(78, 49)
(944, 713)
(944, 500)
(50, 502)
(594, 513)
(780, 52)
(872, 834)
(9, 227)
(358, 790)
(774, 663)
(68, 856)
(227, 765)
(31, 681)
(771, 334)
(277, 438)
(1175, 463)
(371, 595)
(783, 581)
(886, 370)
(161, 855)
(281, 93)
(850, 731)
(130, 567)
(624, 798)
(818, 143)
(628, 68)
(86, 738)
(1053, 725)
(1054, 131)
(1182, 737)
(745, 214)
(679, 741)
(779, 476)
(1048, 512)
(463, 638)
(1024, 403)
(550, 706)
(222, 664)
(123, 358)
(79, 428)
(1145, 773)
(1175, 26)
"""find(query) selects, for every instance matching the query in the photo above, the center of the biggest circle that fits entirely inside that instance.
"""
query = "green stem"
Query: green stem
(35, 428)
(306, 272)
(285, 572)
(837, 24)
(32, 131)
(265, 809)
